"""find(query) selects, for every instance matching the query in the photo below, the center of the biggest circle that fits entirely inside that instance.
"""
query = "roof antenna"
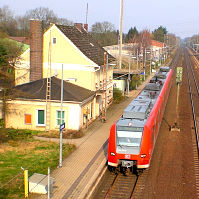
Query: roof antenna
(87, 13)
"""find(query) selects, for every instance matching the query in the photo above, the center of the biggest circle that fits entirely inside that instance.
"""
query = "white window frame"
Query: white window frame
(57, 125)
(37, 111)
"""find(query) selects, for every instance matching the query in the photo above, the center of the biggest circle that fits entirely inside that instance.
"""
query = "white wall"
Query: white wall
(74, 117)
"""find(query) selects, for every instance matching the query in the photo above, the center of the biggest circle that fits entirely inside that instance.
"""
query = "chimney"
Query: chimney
(86, 27)
(36, 50)
(78, 26)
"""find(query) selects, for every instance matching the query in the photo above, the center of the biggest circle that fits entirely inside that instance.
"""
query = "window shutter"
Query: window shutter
(28, 119)
(40, 116)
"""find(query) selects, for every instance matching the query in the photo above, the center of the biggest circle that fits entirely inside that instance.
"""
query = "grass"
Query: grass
(19, 149)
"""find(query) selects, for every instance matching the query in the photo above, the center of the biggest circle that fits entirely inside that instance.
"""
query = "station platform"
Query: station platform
(80, 170)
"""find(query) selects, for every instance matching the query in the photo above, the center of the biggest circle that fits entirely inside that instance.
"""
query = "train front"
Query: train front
(125, 139)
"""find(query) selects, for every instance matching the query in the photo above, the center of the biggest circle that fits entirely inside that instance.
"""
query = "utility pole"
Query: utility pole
(121, 33)
(104, 87)
(137, 61)
(49, 196)
(144, 63)
(128, 80)
(105, 109)
(87, 14)
(150, 59)
(61, 131)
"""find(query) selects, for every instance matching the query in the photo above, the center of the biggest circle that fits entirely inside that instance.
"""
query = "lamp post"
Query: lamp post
(61, 132)
(121, 30)
(128, 79)
(150, 60)
(144, 64)
(137, 60)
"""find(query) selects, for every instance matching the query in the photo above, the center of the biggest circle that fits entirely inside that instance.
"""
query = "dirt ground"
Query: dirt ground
(171, 174)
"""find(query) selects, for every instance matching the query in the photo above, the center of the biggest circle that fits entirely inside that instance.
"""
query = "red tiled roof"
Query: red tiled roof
(157, 43)
(24, 40)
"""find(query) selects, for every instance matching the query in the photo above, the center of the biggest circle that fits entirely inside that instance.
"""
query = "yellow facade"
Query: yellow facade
(22, 69)
(18, 110)
(58, 50)
(15, 117)
(62, 50)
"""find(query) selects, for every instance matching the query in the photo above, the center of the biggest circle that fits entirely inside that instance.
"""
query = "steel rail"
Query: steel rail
(188, 63)
(117, 183)
(108, 192)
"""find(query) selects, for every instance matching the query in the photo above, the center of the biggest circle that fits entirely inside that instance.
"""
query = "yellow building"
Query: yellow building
(85, 64)
(28, 110)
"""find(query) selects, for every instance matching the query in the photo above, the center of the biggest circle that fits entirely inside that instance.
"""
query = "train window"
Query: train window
(126, 138)
(129, 128)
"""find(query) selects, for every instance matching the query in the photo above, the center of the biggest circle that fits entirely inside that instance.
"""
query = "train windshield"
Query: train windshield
(129, 136)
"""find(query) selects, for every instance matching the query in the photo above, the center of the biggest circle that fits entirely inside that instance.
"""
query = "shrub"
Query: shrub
(117, 95)
(135, 78)
(1, 123)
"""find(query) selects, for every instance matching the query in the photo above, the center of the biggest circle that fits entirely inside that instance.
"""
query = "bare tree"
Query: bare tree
(104, 33)
(65, 22)
(23, 25)
(102, 27)
(144, 39)
(46, 15)
(7, 22)
(19, 25)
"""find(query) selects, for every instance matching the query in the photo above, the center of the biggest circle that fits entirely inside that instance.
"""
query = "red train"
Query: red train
(132, 138)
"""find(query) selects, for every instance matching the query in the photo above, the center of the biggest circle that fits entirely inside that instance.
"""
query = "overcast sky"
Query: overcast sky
(180, 17)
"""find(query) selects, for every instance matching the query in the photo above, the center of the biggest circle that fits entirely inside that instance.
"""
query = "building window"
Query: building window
(59, 117)
(54, 40)
(28, 119)
(40, 117)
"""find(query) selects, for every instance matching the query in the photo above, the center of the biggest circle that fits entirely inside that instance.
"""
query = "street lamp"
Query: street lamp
(121, 32)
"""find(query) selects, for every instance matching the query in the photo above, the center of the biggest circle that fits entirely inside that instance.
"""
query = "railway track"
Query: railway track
(122, 186)
(116, 185)
(194, 92)
(191, 69)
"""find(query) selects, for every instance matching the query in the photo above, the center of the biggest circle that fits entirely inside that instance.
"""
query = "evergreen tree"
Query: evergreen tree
(132, 35)
(160, 33)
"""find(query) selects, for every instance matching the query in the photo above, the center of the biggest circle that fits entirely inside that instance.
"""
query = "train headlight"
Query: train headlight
(112, 154)
(143, 155)
(130, 124)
